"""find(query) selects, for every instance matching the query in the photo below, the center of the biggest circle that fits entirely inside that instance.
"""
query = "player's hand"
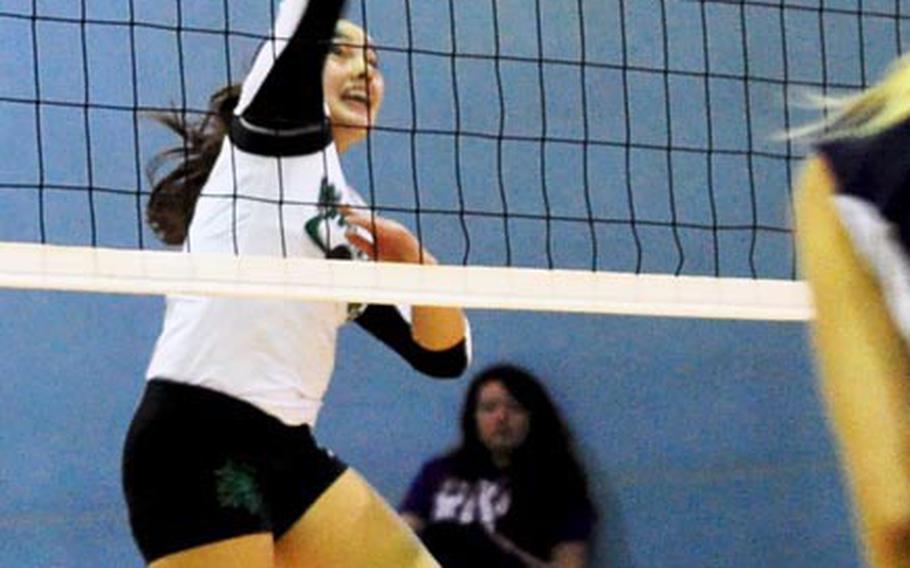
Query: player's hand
(383, 239)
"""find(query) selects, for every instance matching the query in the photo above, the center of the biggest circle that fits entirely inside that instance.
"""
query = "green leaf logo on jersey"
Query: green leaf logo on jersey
(329, 217)
(320, 229)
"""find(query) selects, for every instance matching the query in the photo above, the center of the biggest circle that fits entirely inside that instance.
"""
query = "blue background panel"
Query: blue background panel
(705, 440)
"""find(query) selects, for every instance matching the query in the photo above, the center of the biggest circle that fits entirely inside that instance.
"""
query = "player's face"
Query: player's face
(353, 85)
(502, 422)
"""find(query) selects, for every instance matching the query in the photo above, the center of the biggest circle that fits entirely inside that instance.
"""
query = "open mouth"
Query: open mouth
(358, 98)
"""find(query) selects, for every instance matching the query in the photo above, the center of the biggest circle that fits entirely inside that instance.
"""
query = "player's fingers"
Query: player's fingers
(358, 218)
(363, 245)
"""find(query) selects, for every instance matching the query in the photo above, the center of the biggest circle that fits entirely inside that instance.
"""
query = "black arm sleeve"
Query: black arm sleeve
(388, 325)
(286, 116)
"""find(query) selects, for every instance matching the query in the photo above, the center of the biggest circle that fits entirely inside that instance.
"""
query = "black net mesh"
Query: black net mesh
(616, 135)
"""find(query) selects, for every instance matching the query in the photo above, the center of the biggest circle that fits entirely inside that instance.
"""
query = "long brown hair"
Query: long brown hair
(173, 199)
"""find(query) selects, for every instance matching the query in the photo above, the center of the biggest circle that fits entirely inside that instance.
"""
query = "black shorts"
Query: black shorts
(200, 466)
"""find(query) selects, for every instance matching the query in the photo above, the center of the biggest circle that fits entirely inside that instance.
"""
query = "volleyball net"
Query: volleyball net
(616, 157)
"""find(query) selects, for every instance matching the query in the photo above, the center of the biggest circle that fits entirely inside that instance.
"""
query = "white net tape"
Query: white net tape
(32, 266)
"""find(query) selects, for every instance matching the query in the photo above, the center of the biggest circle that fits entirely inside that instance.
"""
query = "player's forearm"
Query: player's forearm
(434, 327)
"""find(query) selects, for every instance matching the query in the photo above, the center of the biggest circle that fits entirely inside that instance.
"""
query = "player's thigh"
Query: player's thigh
(350, 525)
(248, 551)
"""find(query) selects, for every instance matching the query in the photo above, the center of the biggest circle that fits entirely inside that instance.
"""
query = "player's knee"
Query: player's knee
(394, 542)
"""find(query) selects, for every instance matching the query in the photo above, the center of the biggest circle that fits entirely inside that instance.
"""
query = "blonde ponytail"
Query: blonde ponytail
(879, 107)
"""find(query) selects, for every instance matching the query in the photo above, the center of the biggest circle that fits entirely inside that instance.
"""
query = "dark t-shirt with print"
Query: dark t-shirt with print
(461, 510)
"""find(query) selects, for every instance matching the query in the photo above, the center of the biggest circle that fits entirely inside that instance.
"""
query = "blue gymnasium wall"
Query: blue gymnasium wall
(705, 443)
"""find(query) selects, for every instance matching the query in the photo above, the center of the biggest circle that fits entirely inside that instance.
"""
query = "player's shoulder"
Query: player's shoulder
(869, 167)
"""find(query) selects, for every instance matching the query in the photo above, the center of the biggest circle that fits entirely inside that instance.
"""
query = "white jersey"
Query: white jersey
(277, 355)
(274, 190)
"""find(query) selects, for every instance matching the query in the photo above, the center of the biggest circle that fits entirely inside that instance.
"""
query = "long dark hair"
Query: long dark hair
(173, 200)
(547, 456)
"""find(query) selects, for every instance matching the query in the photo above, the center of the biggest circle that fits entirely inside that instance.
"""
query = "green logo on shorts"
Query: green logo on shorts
(237, 487)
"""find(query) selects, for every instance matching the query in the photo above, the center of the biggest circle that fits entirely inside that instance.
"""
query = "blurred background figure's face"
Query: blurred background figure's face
(353, 85)
(502, 422)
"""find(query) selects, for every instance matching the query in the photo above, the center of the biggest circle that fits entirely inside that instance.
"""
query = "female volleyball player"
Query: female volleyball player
(220, 466)
(513, 494)
(853, 230)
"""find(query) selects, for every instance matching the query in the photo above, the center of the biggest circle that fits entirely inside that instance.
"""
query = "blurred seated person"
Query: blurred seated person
(513, 493)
